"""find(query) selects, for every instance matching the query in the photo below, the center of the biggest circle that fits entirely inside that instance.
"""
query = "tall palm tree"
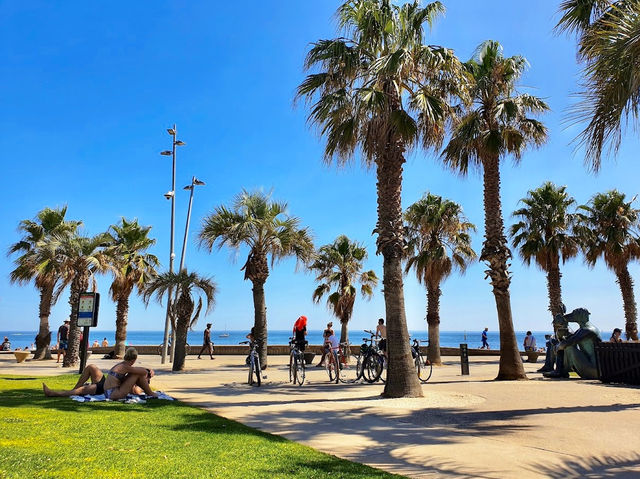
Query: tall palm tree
(339, 265)
(39, 263)
(608, 228)
(81, 257)
(494, 126)
(438, 240)
(544, 235)
(132, 268)
(378, 90)
(607, 47)
(262, 225)
(185, 286)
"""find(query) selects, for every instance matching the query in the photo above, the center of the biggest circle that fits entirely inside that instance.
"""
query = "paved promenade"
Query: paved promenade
(465, 426)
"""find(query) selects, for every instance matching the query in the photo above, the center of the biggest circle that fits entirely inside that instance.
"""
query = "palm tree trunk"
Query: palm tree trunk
(402, 380)
(433, 321)
(122, 314)
(182, 327)
(628, 298)
(496, 254)
(555, 289)
(79, 284)
(260, 320)
(43, 339)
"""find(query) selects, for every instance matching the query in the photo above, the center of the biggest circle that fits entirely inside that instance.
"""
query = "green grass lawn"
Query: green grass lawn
(58, 437)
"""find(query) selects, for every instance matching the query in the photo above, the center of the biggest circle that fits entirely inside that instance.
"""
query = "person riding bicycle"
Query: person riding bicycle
(299, 332)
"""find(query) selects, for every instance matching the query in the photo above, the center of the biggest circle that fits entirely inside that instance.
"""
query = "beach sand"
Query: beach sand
(465, 426)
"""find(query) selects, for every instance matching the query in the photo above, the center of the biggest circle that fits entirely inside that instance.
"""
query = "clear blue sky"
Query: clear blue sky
(88, 90)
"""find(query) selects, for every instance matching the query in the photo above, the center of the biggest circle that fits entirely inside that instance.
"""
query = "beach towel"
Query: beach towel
(130, 399)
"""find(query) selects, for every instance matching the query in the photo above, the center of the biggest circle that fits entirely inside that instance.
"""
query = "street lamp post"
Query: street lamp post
(194, 182)
(170, 195)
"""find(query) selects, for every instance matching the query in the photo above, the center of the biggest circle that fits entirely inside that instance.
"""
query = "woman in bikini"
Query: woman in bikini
(121, 380)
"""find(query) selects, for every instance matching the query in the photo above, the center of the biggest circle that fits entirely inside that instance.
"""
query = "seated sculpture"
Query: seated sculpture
(575, 351)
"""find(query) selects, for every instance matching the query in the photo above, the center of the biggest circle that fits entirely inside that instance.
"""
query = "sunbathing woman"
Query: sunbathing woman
(122, 379)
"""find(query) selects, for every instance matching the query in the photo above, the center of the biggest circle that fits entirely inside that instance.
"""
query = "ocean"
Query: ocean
(20, 339)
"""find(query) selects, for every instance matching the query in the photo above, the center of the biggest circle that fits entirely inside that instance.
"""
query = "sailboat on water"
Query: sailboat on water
(225, 334)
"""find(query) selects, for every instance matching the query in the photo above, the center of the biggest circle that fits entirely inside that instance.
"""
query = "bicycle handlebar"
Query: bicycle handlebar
(369, 332)
(243, 342)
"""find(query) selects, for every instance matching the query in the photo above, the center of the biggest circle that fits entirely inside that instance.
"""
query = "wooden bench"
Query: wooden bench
(618, 362)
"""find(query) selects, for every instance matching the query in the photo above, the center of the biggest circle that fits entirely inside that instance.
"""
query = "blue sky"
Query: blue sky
(89, 89)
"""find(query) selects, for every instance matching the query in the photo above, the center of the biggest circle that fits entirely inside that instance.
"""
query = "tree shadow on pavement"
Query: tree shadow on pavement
(592, 468)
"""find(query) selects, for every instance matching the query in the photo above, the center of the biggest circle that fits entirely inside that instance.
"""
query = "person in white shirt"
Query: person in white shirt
(529, 342)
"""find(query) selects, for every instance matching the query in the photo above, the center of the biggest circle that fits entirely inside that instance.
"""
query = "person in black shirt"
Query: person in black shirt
(63, 337)
(299, 332)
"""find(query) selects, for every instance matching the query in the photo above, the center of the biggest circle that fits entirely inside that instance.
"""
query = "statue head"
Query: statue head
(579, 315)
(560, 326)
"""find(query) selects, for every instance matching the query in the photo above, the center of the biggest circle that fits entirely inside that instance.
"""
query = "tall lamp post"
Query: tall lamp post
(170, 195)
(194, 182)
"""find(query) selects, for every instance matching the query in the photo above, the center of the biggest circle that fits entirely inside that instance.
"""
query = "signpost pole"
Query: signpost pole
(84, 346)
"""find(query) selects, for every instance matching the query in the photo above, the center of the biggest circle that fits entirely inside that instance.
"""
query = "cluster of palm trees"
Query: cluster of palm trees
(378, 90)
(54, 254)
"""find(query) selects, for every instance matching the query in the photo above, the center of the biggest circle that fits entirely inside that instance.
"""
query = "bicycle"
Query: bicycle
(350, 364)
(254, 363)
(373, 360)
(296, 364)
(332, 364)
(422, 363)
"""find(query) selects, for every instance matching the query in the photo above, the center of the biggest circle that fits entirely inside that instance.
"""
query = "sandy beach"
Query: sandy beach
(465, 426)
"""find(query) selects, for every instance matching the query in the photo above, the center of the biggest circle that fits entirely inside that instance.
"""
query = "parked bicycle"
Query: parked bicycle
(421, 360)
(296, 364)
(350, 364)
(372, 359)
(255, 372)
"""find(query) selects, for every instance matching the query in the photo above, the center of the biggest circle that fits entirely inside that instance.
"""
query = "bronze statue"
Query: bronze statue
(576, 351)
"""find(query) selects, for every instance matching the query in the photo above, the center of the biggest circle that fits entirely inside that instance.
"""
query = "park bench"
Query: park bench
(618, 362)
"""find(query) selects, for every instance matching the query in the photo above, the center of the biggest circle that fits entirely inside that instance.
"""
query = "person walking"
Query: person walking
(485, 339)
(529, 342)
(62, 339)
(207, 344)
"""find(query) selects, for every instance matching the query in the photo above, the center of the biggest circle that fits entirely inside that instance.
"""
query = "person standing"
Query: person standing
(381, 332)
(207, 344)
(327, 332)
(485, 339)
(529, 342)
(62, 339)
(300, 332)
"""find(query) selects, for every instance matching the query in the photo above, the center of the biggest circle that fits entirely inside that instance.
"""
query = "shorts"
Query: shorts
(64, 345)
(382, 345)
(100, 385)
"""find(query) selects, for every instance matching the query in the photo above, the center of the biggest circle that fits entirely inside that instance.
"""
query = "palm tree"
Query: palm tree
(494, 126)
(608, 229)
(185, 285)
(132, 268)
(39, 263)
(544, 235)
(607, 47)
(438, 240)
(266, 229)
(81, 257)
(339, 265)
(380, 91)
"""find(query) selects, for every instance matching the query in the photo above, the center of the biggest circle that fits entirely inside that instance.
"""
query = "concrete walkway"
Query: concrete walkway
(465, 426)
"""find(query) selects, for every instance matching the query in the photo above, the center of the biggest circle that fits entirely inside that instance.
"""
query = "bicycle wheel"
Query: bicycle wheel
(300, 373)
(292, 369)
(351, 370)
(331, 366)
(372, 368)
(426, 368)
(251, 367)
(258, 371)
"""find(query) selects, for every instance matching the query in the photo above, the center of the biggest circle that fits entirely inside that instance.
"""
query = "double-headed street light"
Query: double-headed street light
(170, 195)
(194, 182)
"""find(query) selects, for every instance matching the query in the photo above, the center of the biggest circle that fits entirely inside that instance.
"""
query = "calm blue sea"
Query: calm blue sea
(20, 339)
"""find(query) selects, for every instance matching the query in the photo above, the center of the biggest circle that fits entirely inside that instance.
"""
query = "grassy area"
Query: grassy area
(58, 437)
